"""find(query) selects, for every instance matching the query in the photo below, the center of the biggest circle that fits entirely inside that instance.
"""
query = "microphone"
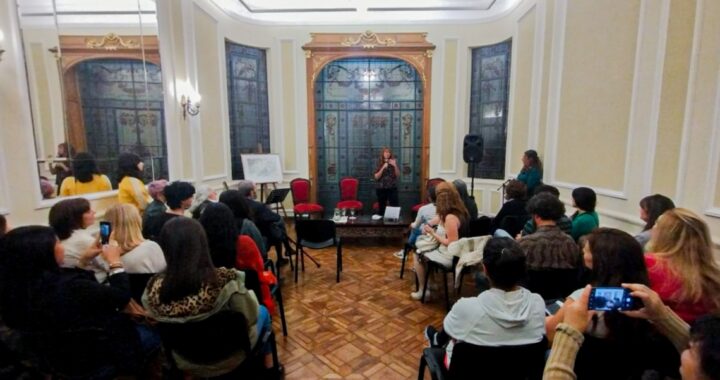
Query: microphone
(504, 183)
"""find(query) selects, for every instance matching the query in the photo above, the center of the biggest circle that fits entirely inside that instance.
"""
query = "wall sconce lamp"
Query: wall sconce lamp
(2, 38)
(1, 53)
(190, 105)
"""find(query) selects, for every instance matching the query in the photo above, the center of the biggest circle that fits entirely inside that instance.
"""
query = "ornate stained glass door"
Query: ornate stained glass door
(361, 106)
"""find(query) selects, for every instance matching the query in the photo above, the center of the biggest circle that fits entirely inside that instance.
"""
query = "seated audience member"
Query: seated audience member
(229, 249)
(585, 219)
(157, 206)
(192, 289)
(178, 196)
(682, 268)
(137, 254)
(613, 258)
(425, 214)
(70, 219)
(131, 188)
(505, 315)
(203, 197)
(43, 301)
(85, 178)
(514, 208)
(549, 250)
(564, 223)
(243, 218)
(651, 207)
(4, 228)
(47, 190)
(451, 216)
(270, 224)
(468, 200)
(699, 346)
(531, 173)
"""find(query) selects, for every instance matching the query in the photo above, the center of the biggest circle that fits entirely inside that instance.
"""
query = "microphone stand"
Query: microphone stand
(503, 187)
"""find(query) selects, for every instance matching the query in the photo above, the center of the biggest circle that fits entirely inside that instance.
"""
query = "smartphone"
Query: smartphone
(612, 299)
(105, 230)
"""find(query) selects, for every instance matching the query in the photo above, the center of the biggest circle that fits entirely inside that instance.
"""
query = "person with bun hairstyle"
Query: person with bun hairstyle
(651, 207)
(531, 173)
(131, 188)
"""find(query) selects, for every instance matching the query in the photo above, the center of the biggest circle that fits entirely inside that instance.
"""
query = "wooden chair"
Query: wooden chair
(300, 189)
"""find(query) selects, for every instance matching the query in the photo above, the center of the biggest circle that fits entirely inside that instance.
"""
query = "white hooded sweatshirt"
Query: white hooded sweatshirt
(498, 318)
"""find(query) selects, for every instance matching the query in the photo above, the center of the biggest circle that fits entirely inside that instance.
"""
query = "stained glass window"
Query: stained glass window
(121, 114)
(361, 106)
(489, 84)
(248, 98)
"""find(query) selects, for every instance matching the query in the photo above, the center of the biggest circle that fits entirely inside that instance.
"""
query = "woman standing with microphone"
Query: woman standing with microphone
(386, 177)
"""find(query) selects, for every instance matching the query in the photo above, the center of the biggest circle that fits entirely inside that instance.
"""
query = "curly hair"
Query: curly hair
(448, 201)
(546, 206)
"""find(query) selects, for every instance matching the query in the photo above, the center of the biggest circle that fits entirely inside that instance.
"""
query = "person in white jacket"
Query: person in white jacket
(504, 315)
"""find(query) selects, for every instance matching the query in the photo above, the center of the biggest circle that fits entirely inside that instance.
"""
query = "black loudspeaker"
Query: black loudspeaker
(472, 148)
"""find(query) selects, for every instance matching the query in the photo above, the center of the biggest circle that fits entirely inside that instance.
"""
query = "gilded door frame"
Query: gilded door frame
(412, 48)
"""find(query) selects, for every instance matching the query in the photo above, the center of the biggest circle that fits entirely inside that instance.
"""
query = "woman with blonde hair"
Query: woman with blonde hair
(137, 254)
(683, 270)
(452, 217)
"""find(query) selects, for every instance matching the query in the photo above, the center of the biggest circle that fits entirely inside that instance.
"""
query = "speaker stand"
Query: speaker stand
(472, 179)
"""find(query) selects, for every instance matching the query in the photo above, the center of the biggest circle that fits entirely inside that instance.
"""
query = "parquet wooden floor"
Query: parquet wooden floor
(366, 326)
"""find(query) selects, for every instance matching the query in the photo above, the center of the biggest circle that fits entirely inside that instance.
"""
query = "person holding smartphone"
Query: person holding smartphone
(699, 346)
(386, 179)
(613, 257)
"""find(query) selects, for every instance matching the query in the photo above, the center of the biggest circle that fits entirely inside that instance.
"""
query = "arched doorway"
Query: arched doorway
(366, 91)
(363, 104)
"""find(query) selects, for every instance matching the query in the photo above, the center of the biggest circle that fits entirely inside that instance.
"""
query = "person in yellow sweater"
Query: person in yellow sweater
(86, 177)
(131, 188)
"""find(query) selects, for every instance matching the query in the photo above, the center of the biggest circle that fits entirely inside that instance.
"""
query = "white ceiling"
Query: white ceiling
(277, 12)
(344, 12)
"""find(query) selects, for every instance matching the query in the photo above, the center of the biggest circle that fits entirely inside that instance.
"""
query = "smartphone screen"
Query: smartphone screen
(105, 230)
(611, 299)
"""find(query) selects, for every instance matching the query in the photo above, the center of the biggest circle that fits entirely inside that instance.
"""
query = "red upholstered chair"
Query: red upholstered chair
(430, 183)
(300, 188)
(348, 194)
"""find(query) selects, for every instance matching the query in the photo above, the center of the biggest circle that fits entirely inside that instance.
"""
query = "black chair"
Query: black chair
(513, 224)
(524, 362)
(433, 266)
(316, 234)
(138, 282)
(214, 339)
(81, 353)
(552, 283)
(276, 291)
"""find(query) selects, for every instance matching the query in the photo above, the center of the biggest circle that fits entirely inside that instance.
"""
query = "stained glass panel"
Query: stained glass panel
(248, 98)
(121, 114)
(490, 76)
(361, 106)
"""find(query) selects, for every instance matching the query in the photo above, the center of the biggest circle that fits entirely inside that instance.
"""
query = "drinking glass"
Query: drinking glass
(352, 213)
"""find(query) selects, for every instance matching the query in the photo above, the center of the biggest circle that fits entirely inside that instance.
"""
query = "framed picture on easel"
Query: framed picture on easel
(262, 168)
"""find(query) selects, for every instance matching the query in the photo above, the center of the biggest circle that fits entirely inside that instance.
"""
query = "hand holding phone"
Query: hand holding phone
(105, 230)
(612, 299)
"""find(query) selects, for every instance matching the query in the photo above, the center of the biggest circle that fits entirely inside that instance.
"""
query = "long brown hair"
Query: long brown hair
(381, 160)
(448, 201)
(683, 241)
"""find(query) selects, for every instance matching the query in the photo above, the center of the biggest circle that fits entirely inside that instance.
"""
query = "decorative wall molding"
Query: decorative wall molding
(537, 74)
(555, 83)
(598, 190)
(653, 126)
(171, 96)
(215, 177)
(689, 104)
(711, 178)
(111, 41)
(368, 40)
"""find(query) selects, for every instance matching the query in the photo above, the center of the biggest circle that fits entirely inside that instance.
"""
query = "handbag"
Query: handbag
(426, 243)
